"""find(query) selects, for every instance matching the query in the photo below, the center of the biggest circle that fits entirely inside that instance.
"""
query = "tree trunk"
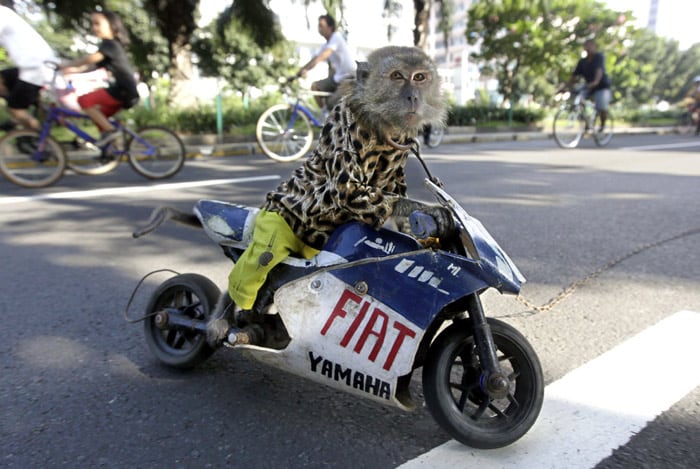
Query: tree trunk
(181, 69)
(421, 9)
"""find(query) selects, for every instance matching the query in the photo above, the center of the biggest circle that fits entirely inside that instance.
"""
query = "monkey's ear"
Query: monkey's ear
(362, 71)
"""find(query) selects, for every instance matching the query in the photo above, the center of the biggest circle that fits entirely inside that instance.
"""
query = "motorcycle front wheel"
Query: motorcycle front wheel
(453, 395)
(190, 295)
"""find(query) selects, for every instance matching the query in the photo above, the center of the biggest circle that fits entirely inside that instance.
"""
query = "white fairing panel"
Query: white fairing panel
(343, 339)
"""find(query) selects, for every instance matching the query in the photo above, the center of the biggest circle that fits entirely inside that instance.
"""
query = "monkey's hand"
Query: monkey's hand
(442, 216)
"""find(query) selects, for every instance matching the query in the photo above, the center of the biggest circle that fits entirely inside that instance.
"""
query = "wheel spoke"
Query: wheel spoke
(479, 412)
(462, 401)
(497, 411)
(179, 340)
(170, 336)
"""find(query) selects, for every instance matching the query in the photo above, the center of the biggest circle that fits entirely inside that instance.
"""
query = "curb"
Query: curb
(205, 146)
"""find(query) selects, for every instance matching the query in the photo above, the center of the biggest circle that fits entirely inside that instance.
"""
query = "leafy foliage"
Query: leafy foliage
(518, 38)
(475, 115)
(225, 50)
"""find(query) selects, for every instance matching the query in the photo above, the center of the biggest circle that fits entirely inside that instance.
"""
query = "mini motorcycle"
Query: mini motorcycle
(368, 310)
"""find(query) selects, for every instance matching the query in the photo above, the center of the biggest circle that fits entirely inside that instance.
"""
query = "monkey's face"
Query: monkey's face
(399, 90)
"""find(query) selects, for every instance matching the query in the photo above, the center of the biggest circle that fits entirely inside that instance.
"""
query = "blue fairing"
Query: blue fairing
(414, 281)
(355, 240)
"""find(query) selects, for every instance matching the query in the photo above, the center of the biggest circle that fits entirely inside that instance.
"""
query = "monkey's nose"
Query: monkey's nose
(413, 103)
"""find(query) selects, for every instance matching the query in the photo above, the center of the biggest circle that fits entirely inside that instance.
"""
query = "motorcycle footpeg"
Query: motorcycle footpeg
(249, 335)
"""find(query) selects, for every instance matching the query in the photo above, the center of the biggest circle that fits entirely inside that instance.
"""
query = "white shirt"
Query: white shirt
(26, 48)
(342, 61)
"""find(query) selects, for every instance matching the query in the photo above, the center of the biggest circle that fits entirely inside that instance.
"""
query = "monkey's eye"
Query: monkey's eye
(419, 77)
(396, 75)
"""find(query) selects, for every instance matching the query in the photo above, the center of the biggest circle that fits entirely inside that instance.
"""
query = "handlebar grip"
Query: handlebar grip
(423, 226)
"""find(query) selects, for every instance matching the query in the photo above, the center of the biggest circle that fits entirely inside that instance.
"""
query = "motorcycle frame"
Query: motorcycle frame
(353, 279)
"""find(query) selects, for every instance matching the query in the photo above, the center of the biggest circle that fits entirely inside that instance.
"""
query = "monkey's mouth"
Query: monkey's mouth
(412, 118)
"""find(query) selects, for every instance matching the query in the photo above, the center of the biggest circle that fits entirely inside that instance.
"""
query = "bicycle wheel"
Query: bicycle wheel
(685, 123)
(602, 134)
(27, 162)
(435, 136)
(156, 152)
(283, 134)
(90, 160)
(569, 127)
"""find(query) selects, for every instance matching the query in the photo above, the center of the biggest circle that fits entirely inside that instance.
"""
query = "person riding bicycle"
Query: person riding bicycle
(121, 93)
(20, 85)
(336, 51)
(693, 103)
(592, 69)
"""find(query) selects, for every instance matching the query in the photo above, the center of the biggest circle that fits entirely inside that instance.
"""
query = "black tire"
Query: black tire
(195, 296)
(569, 127)
(279, 138)
(451, 376)
(22, 163)
(603, 135)
(156, 152)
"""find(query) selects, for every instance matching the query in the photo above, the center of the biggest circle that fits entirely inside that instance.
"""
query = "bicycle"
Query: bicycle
(689, 120)
(432, 135)
(36, 159)
(285, 132)
(575, 118)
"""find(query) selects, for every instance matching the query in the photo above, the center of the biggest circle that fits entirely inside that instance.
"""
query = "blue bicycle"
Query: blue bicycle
(285, 132)
(36, 159)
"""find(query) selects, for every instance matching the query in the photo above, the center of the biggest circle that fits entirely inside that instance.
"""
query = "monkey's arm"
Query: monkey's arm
(162, 214)
(443, 218)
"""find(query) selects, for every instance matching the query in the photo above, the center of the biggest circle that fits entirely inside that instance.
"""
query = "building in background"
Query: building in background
(460, 74)
(653, 13)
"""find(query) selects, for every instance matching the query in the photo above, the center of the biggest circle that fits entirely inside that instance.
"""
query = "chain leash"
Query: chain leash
(571, 288)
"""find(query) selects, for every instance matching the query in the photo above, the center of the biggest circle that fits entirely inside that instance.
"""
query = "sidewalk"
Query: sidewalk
(207, 145)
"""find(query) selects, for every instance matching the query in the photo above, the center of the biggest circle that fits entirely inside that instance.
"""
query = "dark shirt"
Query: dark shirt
(587, 68)
(123, 84)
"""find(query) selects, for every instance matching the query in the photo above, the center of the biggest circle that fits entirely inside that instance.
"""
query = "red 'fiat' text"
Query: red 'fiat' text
(376, 327)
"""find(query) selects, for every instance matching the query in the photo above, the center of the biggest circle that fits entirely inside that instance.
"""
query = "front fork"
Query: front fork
(493, 381)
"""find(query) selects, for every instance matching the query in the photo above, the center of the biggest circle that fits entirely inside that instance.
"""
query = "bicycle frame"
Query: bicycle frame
(299, 106)
(581, 101)
(60, 115)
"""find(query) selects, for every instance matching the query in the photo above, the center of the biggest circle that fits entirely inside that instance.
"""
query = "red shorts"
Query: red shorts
(107, 103)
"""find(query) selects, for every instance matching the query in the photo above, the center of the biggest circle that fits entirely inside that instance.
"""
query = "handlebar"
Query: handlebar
(575, 93)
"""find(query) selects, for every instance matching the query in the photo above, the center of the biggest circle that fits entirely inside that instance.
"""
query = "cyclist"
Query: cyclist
(693, 100)
(336, 51)
(20, 85)
(121, 93)
(592, 69)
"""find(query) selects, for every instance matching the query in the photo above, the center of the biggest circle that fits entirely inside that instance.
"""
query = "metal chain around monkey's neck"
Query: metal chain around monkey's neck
(398, 146)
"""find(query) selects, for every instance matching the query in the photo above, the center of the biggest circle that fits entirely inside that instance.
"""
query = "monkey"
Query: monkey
(397, 92)
(356, 172)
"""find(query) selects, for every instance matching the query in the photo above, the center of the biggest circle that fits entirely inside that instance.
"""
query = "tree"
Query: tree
(148, 49)
(518, 38)
(175, 20)
(224, 49)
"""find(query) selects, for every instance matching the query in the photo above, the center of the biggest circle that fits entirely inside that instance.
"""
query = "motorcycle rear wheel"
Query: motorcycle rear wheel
(194, 296)
(451, 377)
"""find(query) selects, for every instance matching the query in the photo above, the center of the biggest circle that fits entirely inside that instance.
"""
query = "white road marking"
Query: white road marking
(664, 146)
(110, 191)
(597, 407)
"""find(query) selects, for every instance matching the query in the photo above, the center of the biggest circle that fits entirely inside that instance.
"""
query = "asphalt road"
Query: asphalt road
(78, 387)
